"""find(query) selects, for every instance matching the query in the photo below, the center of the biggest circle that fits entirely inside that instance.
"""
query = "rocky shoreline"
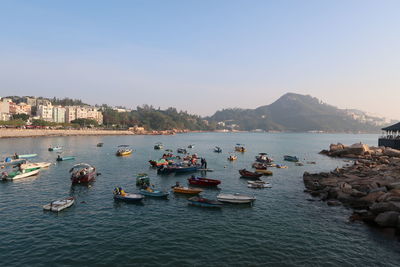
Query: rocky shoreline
(369, 184)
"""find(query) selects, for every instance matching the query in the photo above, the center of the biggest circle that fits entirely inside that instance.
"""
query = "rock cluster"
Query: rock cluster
(371, 185)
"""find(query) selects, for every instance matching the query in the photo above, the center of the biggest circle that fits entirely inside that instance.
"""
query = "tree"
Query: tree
(85, 122)
(23, 117)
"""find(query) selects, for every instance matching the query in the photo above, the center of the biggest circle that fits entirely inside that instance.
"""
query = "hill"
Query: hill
(297, 113)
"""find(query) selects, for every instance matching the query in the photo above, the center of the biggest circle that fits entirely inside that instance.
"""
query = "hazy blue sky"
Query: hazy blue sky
(201, 56)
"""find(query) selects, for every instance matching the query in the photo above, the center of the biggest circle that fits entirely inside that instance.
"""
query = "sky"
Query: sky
(202, 56)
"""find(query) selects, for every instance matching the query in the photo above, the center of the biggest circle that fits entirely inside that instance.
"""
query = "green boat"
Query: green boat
(142, 179)
(65, 158)
(26, 156)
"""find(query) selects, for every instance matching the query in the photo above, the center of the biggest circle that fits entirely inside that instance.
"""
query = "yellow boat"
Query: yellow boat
(186, 190)
(265, 172)
(232, 157)
(124, 152)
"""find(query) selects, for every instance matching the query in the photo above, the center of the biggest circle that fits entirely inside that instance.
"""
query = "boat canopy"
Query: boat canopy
(123, 146)
(80, 165)
(262, 153)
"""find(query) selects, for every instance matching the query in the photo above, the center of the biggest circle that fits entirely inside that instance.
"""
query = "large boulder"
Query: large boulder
(333, 147)
(385, 206)
(391, 152)
(387, 219)
(358, 149)
(372, 197)
(393, 186)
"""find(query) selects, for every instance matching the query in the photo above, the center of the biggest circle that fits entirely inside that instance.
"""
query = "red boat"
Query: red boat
(203, 181)
(82, 173)
(251, 175)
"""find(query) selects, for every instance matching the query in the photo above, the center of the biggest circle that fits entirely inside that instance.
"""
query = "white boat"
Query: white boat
(258, 184)
(24, 174)
(60, 205)
(30, 165)
(235, 198)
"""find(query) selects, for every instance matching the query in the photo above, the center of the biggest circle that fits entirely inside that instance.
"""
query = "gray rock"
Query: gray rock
(385, 206)
(379, 189)
(387, 219)
(393, 186)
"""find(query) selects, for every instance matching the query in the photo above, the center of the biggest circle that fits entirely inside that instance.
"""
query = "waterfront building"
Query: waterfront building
(32, 101)
(59, 114)
(391, 136)
(94, 114)
(21, 108)
(70, 113)
(45, 112)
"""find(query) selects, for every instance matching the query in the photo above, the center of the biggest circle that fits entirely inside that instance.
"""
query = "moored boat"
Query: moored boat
(181, 150)
(291, 158)
(20, 174)
(258, 184)
(264, 172)
(248, 174)
(30, 165)
(191, 146)
(142, 179)
(55, 148)
(11, 162)
(263, 158)
(204, 202)
(153, 193)
(82, 173)
(124, 152)
(187, 190)
(185, 169)
(59, 205)
(158, 163)
(240, 148)
(26, 156)
(129, 198)
(232, 157)
(158, 146)
(65, 158)
(100, 144)
(235, 198)
(217, 149)
(203, 181)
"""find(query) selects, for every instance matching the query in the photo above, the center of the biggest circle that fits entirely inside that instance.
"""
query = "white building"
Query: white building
(45, 112)
(70, 113)
(59, 114)
(5, 109)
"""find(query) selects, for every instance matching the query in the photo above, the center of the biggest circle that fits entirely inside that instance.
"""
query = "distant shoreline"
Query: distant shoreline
(25, 133)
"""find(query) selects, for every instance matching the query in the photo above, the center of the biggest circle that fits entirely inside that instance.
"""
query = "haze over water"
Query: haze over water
(282, 228)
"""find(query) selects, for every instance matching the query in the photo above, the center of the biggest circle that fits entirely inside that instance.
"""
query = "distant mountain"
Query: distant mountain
(297, 113)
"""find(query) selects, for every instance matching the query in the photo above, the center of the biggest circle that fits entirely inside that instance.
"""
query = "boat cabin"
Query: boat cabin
(391, 136)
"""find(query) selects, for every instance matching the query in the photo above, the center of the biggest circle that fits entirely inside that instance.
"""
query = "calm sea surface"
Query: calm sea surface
(283, 228)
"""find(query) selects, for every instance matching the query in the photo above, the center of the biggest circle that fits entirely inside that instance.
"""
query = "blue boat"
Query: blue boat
(290, 158)
(27, 156)
(121, 195)
(154, 193)
(204, 202)
(180, 169)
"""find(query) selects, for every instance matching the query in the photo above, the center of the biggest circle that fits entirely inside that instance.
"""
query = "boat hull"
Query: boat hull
(188, 191)
(83, 179)
(235, 198)
(204, 182)
(156, 193)
(59, 205)
(204, 203)
(23, 175)
(129, 198)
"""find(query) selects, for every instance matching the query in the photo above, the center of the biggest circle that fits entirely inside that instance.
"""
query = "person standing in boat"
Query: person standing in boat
(205, 163)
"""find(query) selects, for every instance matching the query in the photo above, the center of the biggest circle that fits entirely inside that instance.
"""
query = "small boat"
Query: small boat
(166, 169)
(290, 158)
(232, 157)
(158, 146)
(142, 179)
(299, 164)
(259, 166)
(100, 144)
(217, 149)
(60, 205)
(204, 202)
(158, 163)
(263, 158)
(259, 185)
(187, 190)
(248, 174)
(181, 150)
(311, 162)
(203, 181)
(129, 198)
(190, 146)
(279, 166)
(264, 172)
(124, 152)
(31, 165)
(65, 158)
(240, 148)
(55, 148)
(11, 162)
(169, 150)
(153, 193)
(235, 198)
(82, 173)
(185, 169)
(15, 175)
(26, 156)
